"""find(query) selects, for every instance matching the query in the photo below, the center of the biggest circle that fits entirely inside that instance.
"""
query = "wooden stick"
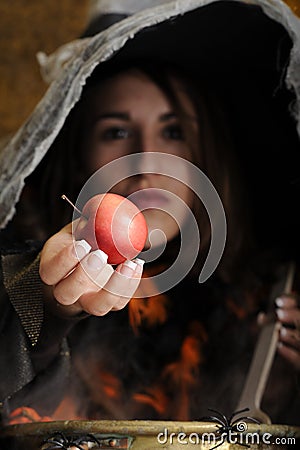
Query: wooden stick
(64, 197)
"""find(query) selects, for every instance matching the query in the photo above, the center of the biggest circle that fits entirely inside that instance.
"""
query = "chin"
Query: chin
(161, 231)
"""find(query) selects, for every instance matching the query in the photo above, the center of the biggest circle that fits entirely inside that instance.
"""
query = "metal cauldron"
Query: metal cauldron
(145, 435)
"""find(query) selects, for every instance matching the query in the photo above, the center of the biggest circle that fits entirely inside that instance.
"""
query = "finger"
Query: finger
(138, 272)
(117, 291)
(84, 278)
(54, 269)
(289, 316)
(290, 337)
(60, 255)
(263, 319)
(290, 354)
(286, 301)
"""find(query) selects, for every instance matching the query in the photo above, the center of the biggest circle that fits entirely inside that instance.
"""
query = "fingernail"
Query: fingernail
(96, 260)
(261, 317)
(279, 302)
(280, 313)
(128, 268)
(81, 248)
(140, 264)
(283, 331)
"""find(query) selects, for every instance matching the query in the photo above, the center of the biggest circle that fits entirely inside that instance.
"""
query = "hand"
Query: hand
(288, 313)
(82, 280)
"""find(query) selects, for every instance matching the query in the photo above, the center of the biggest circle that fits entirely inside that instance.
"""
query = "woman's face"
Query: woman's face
(131, 114)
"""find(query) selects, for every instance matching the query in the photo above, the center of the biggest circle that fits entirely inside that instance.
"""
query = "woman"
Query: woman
(132, 107)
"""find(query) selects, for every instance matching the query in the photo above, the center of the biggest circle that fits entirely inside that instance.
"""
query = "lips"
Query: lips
(150, 198)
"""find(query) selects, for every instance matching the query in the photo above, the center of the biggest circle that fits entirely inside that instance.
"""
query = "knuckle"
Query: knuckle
(81, 279)
(96, 310)
(63, 296)
(100, 305)
(121, 304)
(59, 296)
(44, 275)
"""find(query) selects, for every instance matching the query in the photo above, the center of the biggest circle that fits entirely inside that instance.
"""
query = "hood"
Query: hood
(250, 48)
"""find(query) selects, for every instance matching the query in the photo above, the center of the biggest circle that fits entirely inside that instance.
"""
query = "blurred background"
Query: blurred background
(29, 26)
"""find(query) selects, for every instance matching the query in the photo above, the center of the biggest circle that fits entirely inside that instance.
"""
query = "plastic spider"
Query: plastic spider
(63, 442)
(226, 427)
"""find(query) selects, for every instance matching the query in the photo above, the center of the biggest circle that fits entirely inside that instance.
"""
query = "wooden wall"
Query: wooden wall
(28, 26)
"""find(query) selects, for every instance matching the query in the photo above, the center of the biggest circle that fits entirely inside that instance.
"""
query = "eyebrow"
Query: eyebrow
(113, 115)
(124, 116)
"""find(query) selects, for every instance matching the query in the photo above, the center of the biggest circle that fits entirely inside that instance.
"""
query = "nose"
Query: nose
(148, 162)
(148, 154)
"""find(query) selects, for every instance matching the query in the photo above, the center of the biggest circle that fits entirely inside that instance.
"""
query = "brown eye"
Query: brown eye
(115, 133)
(173, 132)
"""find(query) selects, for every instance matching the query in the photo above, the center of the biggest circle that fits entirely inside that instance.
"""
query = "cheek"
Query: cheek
(182, 191)
(121, 188)
(182, 204)
(99, 156)
(101, 152)
(188, 196)
(118, 173)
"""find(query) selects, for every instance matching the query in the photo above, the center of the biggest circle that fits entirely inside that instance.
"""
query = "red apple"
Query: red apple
(115, 225)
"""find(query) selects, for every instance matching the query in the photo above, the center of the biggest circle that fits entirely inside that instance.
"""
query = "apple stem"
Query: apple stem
(64, 197)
